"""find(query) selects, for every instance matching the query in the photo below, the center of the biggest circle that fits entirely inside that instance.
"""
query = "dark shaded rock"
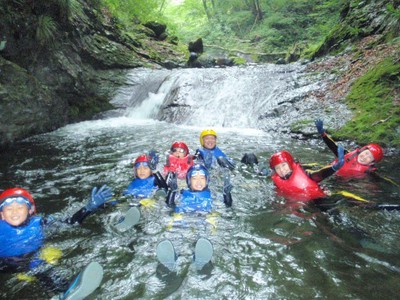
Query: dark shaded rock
(157, 28)
(196, 46)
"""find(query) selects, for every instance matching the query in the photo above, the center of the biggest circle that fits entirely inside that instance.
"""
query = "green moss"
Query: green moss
(374, 98)
(238, 60)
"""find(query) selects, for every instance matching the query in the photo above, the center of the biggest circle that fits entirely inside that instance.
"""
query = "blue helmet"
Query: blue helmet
(197, 169)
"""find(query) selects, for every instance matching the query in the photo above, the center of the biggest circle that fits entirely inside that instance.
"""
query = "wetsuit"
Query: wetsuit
(145, 188)
(351, 167)
(302, 185)
(194, 201)
(20, 247)
(178, 165)
(210, 156)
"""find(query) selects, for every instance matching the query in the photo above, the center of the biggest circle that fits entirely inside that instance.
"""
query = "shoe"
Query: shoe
(85, 283)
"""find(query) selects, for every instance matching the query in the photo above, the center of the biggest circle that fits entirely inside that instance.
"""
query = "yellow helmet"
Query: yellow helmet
(206, 132)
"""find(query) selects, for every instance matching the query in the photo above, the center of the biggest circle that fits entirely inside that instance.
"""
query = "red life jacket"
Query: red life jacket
(352, 168)
(299, 186)
(178, 165)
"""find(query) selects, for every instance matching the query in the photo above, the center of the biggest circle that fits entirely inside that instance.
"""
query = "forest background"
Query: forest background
(62, 60)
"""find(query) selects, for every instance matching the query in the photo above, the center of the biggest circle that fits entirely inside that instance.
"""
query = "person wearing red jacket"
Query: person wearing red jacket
(357, 163)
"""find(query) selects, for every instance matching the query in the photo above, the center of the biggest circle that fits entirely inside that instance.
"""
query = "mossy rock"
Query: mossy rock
(374, 98)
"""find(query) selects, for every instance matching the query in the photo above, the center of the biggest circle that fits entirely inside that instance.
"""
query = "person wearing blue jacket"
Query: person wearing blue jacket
(22, 242)
(210, 153)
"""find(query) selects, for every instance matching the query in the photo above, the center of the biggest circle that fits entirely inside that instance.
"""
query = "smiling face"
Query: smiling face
(198, 182)
(283, 170)
(209, 141)
(365, 157)
(143, 170)
(179, 152)
(15, 213)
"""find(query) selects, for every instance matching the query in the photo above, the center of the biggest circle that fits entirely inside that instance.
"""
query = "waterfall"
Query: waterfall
(240, 97)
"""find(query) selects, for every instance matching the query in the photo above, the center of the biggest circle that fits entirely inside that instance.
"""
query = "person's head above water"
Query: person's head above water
(16, 205)
(141, 167)
(179, 149)
(197, 177)
(208, 138)
(371, 153)
(282, 163)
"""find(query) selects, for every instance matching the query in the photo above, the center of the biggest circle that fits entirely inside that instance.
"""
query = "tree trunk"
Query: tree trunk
(206, 10)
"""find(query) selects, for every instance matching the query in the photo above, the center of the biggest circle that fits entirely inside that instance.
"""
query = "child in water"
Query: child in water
(357, 163)
(178, 160)
(210, 153)
(22, 238)
(146, 182)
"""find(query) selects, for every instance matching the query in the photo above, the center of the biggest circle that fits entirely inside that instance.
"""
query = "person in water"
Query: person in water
(22, 242)
(292, 180)
(195, 198)
(179, 160)
(357, 163)
(297, 183)
(210, 153)
(146, 182)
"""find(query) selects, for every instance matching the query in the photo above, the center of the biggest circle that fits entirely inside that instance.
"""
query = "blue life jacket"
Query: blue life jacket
(141, 188)
(192, 201)
(210, 156)
(21, 240)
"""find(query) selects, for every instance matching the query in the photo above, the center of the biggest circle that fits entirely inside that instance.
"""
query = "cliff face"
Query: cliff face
(360, 19)
(61, 64)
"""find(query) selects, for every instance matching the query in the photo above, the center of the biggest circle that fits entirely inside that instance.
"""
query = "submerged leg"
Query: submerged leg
(166, 254)
(85, 283)
(203, 252)
(130, 219)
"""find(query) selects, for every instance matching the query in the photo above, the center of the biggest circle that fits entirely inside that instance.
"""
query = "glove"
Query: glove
(340, 161)
(171, 199)
(249, 159)
(264, 170)
(227, 189)
(320, 126)
(225, 163)
(198, 154)
(99, 197)
(153, 159)
(172, 181)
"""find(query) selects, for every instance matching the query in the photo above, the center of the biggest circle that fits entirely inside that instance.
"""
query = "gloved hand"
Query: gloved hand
(170, 200)
(264, 170)
(227, 189)
(225, 162)
(153, 159)
(340, 161)
(320, 126)
(249, 159)
(198, 155)
(172, 181)
(99, 197)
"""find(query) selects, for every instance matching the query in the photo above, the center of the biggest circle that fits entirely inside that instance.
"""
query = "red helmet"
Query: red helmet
(280, 157)
(376, 151)
(18, 192)
(181, 145)
(141, 158)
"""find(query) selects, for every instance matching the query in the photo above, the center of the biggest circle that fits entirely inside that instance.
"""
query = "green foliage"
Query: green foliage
(46, 30)
(379, 88)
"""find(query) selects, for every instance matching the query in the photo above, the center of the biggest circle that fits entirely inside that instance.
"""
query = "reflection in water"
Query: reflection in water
(263, 249)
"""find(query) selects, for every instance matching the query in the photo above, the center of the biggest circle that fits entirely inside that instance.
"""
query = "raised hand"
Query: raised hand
(99, 197)
(153, 159)
(340, 160)
(320, 126)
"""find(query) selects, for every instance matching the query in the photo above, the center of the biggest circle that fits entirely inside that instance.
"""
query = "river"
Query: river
(263, 249)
